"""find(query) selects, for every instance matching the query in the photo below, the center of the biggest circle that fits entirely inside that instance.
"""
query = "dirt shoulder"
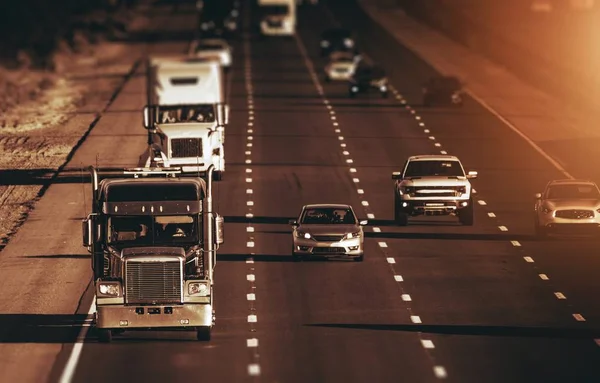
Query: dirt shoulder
(45, 114)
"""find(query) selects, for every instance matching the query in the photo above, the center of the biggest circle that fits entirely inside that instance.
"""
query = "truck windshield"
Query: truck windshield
(434, 168)
(187, 113)
(275, 10)
(152, 230)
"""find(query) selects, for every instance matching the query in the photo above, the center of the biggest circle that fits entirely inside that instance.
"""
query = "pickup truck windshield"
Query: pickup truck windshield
(152, 230)
(434, 168)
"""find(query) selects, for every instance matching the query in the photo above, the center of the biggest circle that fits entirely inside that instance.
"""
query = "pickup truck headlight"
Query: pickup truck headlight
(353, 235)
(109, 289)
(461, 189)
(200, 289)
(546, 210)
(410, 190)
(301, 234)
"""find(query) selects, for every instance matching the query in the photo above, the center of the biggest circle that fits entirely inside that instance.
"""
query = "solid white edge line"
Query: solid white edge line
(521, 134)
(71, 366)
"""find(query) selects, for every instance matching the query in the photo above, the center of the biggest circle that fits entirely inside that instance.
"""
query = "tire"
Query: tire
(104, 335)
(217, 175)
(400, 215)
(384, 94)
(203, 333)
(466, 214)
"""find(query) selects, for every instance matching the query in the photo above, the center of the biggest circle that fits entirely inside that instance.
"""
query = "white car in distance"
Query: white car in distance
(207, 48)
(341, 66)
(568, 207)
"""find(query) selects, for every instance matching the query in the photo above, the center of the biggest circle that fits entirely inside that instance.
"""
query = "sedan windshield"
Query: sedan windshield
(328, 216)
(573, 192)
(149, 230)
(434, 168)
(275, 10)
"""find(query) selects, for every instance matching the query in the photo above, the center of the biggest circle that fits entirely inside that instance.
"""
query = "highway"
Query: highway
(431, 301)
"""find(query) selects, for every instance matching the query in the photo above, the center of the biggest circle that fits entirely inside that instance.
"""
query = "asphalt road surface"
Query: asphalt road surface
(432, 301)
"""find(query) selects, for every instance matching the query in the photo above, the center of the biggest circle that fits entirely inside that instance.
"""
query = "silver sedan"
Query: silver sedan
(328, 230)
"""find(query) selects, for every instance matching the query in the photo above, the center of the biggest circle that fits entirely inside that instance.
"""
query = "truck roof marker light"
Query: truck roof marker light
(152, 209)
(116, 209)
(188, 207)
(160, 208)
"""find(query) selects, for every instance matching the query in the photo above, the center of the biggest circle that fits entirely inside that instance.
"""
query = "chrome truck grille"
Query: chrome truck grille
(575, 214)
(186, 147)
(153, 282)
(437, 191)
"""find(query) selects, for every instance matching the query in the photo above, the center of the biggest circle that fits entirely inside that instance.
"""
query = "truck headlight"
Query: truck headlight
(353, 235)
(301, 234)
(198, 289)
(109, 289)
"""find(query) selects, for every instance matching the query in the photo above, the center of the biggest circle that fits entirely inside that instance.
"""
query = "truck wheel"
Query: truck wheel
(203, 333)
(465, 215)
(217, 175)
(104, 335)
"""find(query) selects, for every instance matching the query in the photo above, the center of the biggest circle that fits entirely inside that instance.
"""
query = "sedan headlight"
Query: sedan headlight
(301, 234)
(353, 235)
(200, 289)
(546, 210)
(349, 43)
(109, 289)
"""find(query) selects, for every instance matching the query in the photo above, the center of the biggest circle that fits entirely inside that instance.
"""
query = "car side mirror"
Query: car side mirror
(363, 222)
(538, 195)
(396, 175)
(293, 222)
(472, 174)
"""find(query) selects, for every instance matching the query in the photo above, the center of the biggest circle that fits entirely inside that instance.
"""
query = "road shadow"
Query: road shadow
(269, 258)
(58, 256)
(473, 330)
(41, 328)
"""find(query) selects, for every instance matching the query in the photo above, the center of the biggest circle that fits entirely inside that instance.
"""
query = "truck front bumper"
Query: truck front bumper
(127, 317)
(433, 207)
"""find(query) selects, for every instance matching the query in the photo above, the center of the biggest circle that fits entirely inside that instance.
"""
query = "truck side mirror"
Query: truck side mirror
(538, 195)
(219, 229)
(396, 176)
(472, 174)
(87, 226)
(149, 113)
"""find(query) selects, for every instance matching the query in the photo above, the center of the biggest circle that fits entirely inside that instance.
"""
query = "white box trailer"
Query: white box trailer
(186, 114)
(278, 17)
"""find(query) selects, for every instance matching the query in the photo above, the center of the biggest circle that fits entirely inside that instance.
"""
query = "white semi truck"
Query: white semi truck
(278, 17)
(186, 114)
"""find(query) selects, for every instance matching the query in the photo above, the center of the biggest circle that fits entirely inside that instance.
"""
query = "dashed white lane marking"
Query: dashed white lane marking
(398, 278)
(249, 144)
(427, 343)
(491, 215)
(481, 202)
(341, 138)
(250, 203)
(390, 260)
(250, 229)
(382, 244)
(352, 170)
(251, 297)
(515, 243)
(440, 372)
(252, 342)
(249, 260)
(370, 216)
(365, 203)
(254, 369)
(544, 277)
(437, 144)
(248, 152)
(421, 124)
(425, 130)
(249, 191)
(443, 152)
(248, 180)
(560, 295)
(248, 170)
(406, 297)
(333, 117)
(360, 191)
(432, 138)
(579, 317)
(355, 180)
(250, 277)
(252, 318)
(248, 161)
(377, 230)
(349, 161)
(337, 131)
(528, 259)
(503, 228)
(249, 215)
(250, 244)
(250, 131)
(415, 319)
(417, 118)
(346, 153)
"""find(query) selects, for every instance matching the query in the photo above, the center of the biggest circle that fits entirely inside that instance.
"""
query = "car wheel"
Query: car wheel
(104, 335)
(466, 215)
(203, 333)
(400, 216)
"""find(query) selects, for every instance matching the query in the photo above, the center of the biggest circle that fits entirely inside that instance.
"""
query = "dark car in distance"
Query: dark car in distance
(367, 78)
(444, 90)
